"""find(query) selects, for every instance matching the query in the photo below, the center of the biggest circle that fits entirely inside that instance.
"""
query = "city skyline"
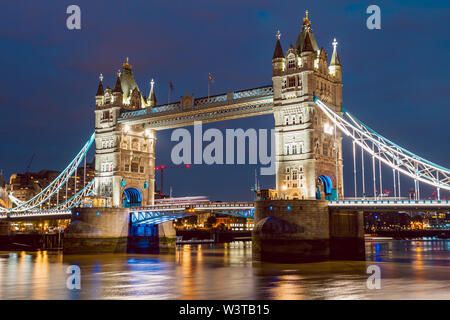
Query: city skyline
(51, 105)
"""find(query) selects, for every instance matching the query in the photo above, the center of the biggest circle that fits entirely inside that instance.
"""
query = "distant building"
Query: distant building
(26, 185)
(267, 194)
(2, 180)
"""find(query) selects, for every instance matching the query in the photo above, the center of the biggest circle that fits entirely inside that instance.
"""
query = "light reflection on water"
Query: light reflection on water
(416, 269)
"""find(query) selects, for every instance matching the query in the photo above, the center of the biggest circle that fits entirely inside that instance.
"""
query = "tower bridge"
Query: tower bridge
(305, 98)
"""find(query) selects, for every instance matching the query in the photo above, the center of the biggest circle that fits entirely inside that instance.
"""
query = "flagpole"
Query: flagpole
(208, 87)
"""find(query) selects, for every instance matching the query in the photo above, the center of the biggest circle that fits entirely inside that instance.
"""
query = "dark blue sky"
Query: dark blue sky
(395, 79)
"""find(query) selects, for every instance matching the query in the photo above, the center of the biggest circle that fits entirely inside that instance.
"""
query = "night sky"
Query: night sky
(396, 79)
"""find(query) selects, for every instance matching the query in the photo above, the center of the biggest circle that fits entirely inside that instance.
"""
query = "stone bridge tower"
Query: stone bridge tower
(307, 144)
(125, 154)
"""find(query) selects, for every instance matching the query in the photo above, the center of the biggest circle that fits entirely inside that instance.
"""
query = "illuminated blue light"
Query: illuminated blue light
(288, 207)
(271, 208)
(98, 213)
(78, 213)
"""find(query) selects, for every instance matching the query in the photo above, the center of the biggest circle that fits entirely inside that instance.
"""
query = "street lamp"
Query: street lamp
(284, 188)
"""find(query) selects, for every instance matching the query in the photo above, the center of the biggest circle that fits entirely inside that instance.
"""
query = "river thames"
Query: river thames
(410, 269)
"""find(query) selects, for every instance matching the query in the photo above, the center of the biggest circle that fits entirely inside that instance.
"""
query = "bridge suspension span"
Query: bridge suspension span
(35, 203)
(385, 151)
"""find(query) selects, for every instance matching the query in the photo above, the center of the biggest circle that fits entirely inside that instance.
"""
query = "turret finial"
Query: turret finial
(126, 65)
(278, 35)
(306, 19)
(101, 77)
(335, 43)
(152, 83)
(335, 61)
(119, 73)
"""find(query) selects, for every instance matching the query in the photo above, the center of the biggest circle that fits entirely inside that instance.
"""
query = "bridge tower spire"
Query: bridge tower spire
(335, 63)
(151, 100)
(307, 147)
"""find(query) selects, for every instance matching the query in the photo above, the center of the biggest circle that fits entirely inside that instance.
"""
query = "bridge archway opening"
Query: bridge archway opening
(325, 186)
(132, 197)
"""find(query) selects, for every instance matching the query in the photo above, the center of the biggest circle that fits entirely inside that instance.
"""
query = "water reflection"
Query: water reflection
(410, 270)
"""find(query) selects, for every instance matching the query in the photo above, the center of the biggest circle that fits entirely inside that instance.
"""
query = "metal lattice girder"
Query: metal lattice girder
(199, 206)
(158, 215)
(63, 208)
(388, 152)
(155, 217)
(55, 185)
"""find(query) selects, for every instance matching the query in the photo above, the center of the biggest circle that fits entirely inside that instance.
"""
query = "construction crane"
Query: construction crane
(162, 168)
(29, 164)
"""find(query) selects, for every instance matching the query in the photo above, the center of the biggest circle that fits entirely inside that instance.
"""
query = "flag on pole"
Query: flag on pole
(170, 90)
(211, 78)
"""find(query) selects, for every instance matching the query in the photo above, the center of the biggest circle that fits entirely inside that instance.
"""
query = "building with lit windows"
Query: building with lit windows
(26, 185)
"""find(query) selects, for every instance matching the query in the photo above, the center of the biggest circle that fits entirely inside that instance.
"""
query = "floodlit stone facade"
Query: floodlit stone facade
(125, 154)
(307, 144)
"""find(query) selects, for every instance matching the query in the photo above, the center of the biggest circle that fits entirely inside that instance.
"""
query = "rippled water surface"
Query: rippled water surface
(416, 269)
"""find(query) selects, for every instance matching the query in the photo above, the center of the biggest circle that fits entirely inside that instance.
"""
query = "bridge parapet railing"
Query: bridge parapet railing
(210, 100)
(166, 107)
(257, 92)
(389, 202)
(127, 114)
(132, 114)
(193, 206)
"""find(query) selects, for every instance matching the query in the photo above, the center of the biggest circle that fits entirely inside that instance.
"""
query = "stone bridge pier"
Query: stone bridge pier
(306, 230)
(109, 230)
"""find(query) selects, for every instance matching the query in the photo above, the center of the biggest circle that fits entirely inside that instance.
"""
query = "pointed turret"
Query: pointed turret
(100, 95)
(151, 101)
(100, 91)
(335, 61)
(335, 67)
(278, 56)
(306, 30)
(118, 85)
(278, 53)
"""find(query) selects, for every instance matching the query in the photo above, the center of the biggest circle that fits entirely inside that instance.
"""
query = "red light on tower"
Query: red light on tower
(162, 167)
(188, 166)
